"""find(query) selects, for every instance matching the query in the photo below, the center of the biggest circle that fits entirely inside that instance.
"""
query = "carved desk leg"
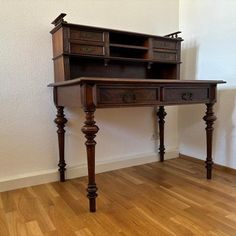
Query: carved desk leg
(161, 114)
(209, 118)
(90, 130)
(61, 121)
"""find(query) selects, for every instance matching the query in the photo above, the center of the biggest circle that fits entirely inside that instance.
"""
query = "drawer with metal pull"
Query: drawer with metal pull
(165, 56)
(87, 35)
(86, 49)
(165, 44)
(188, 95)
(124, 95)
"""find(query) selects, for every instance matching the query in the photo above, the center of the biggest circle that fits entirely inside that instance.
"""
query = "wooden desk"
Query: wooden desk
(103, 68)
(93, 93)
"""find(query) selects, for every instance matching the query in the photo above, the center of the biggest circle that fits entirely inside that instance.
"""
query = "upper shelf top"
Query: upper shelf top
(59, 21)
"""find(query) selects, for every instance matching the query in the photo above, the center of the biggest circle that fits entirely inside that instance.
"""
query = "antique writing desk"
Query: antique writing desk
(104, 68)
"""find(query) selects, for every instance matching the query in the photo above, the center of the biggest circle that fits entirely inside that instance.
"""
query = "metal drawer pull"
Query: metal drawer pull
(87, 49)
(187, 96)
(129, 97)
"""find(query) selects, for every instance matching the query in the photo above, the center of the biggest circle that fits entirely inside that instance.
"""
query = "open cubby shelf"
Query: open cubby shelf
(128, 52)
(128, 46)
(85, 67)
(127, 39)
(91, 51)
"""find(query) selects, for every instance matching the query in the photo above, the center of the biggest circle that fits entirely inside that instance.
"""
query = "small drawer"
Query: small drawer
(87, 35)
(164, 56)
(126, 95)
(164, 44)
(86, 49)
(188, 95)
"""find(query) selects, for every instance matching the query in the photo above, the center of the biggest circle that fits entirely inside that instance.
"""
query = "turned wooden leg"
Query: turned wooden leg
(90, 130)
(161, 115)
(61, 121)
(209, 118)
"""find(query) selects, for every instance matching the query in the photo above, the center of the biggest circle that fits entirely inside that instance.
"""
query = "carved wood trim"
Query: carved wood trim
(209, 118)
(161, 115)
(61, 121)
(90, 129)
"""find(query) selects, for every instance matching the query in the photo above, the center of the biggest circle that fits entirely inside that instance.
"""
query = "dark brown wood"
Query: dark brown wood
(209, 118)
(86, 49)
(165, 56)
(163, 44)
(173, 35)
(92, 51)
(161, 115)
(61, 121)
(186, 94)
(165, 83)
(90, 130)
(90, 98)
(59, 19)
(126, 95)
(104, 68)
(87, 35)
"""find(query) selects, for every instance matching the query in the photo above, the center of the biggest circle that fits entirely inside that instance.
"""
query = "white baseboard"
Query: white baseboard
(47, 176)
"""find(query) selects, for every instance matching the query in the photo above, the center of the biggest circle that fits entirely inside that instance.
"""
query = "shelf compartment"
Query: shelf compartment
(124, 59)
(163, 71)
(90, 67)
(128, 46)
(123, 52)
(128, 39)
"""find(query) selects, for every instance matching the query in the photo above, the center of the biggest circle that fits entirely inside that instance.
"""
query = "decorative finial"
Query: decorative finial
(173, 35)
(59, 19)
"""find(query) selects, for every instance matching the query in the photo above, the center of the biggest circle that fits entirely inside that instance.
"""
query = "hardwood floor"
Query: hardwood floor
(170, 198)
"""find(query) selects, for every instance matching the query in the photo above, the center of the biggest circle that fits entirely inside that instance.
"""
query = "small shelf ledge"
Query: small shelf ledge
(128, 46)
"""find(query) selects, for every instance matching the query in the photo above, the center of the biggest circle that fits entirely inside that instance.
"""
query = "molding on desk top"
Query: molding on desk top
(47, 176)
(129, 80)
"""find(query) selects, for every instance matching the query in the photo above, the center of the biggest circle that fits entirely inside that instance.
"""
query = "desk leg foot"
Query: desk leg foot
(90, 130)
(209, 118)
(161, 115)
(61, 121)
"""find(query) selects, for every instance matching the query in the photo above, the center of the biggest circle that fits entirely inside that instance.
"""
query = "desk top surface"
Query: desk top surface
(97, 80)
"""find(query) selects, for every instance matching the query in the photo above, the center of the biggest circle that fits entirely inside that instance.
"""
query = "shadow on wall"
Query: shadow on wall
(189, 55)
(225, 141)
(192, 129)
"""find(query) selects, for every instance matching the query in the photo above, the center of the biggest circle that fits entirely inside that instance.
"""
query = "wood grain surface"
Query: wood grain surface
(170, 198)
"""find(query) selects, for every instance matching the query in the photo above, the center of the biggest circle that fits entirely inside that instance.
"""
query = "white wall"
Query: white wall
(28, 144)
(209, 30)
